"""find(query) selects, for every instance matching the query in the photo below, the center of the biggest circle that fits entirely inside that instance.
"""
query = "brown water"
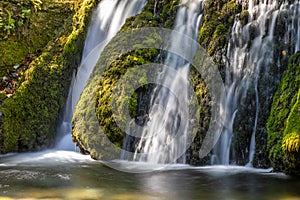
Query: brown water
(68, 175)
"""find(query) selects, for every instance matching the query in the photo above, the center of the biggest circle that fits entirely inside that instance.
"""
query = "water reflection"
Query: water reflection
(73, 176)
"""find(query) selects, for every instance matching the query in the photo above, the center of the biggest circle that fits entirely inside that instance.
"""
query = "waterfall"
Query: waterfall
(251, 54)
(292, 35)
(106, 21)
(165, 134)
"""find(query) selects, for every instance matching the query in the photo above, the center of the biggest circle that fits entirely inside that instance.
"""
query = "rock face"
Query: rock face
(29, 116)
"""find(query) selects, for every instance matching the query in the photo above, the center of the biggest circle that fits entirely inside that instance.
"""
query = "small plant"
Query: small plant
(24, 16)
(10, 24)
(37, 4)
(12, 19)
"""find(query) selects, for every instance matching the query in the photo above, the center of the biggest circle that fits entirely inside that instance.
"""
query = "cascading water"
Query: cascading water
(169, 115)
(107, 20)
(292, 35)
(251, 54)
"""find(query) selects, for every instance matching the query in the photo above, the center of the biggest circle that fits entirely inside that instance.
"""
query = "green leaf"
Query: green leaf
(16, 66)
(20, 23)
(7, 27)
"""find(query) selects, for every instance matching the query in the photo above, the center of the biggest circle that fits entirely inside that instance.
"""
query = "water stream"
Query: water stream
(251, 53)
(164, 138)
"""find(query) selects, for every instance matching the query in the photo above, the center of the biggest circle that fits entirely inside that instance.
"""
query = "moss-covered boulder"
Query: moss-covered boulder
(29, 117)
(86, 131)
(284, 122)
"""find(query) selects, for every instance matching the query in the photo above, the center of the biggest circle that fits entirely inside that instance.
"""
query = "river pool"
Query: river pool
(70, 175)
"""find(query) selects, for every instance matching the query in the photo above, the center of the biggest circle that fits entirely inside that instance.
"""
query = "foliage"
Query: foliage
(11, 18)
(26, 13)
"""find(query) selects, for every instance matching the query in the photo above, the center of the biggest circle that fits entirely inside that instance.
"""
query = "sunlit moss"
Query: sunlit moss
(36, 30)
(283, 124)
(291, 143)
(218, 20)
(29, 117)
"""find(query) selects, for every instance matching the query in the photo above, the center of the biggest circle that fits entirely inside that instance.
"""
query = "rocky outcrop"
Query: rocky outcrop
(213, 35)
(85, 131)
(57, 29)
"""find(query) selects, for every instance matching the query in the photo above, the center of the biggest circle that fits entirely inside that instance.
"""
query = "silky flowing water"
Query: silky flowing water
(69, 175)
(248, 63)
(169, 107)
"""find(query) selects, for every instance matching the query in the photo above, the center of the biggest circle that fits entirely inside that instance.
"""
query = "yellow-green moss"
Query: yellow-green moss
(29, 117)
(218, 20)
(291, 139)
(37, 29)
(291, 144)
(283, 123)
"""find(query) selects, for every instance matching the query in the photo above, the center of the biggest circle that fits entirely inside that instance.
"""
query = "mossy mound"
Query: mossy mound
(86, 132)
(86, 127)
(96, 134)
(283, 123)
(29, 117)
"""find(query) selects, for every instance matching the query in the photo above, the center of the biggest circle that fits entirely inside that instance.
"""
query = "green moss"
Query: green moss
(13, 53)
(165, 14)
(36, 31)
(217, 23)
(291, 139)
(293, 123)
(283, 122)
(220, 30)
(122, 97)
(30, 115)
(200, 129)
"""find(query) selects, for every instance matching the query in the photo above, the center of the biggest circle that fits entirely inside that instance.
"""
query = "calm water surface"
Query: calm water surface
(68, 175)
